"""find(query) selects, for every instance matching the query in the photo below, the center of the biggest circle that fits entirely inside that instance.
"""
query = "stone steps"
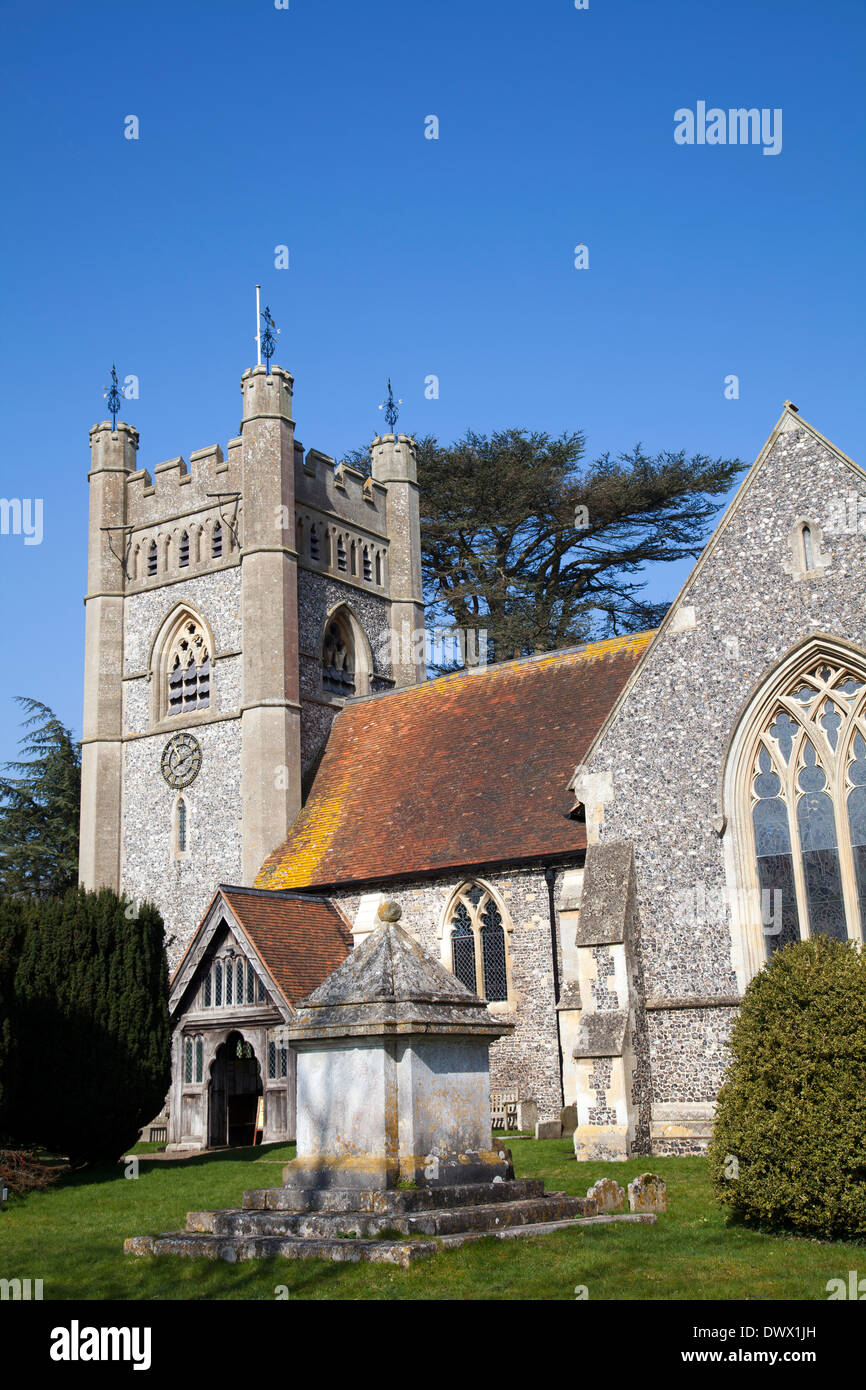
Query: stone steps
(488, 1216)
(390, 1201)
(234, 1248)
(394, 1226)
(397, 1252)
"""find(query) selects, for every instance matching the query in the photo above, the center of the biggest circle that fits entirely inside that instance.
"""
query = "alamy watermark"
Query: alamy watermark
(846, 515)
(22, 516)
(736, 126)
(705, 905)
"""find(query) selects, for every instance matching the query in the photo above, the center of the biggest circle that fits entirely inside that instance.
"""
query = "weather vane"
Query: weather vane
(269, 337)
(390, 407)
(112, 396)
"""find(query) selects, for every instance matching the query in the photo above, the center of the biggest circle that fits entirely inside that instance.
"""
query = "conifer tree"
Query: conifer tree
(14, 917)
(91, 1006)
(40, 798)
(522, 536)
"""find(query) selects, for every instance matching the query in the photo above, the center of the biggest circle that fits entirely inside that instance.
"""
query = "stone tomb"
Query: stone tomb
(393, 1072)
(394, 1140)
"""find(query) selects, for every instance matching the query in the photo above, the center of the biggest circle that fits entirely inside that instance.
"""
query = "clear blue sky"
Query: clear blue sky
(409, 256)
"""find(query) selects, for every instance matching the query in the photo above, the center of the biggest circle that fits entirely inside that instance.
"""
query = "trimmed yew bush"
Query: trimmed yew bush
(90, 1027)
(789, 1144)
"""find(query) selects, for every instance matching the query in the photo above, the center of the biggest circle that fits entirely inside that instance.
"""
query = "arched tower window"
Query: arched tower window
(314, 543)
(184, 550)
(152, 559)
(477, 943)
(338, 657)
(181, 826)
(808, 547)
(368, 566)
(341, 554)
(379, 567)
(354, 558)
(216, 543)
(803, 784)
(188, 669)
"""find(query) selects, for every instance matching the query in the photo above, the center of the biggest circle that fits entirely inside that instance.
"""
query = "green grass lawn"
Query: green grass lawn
(72, 1238)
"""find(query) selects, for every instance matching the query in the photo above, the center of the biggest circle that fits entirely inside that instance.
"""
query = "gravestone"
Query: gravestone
(548, 1129)
(527, 1115)
(568, 1119)
(608, 1195)
(648, 1192)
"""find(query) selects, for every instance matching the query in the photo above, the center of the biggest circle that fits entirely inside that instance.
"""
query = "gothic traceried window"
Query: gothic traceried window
(478, 947)
(808, 808)
(188, 670)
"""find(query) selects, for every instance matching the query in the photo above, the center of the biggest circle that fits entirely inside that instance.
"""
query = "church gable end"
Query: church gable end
(655, 776)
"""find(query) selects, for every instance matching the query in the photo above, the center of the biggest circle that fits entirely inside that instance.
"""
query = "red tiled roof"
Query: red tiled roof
(300, 939)
(467, 769)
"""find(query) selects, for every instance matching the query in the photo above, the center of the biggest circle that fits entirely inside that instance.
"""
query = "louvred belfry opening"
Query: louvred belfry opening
(189, 670)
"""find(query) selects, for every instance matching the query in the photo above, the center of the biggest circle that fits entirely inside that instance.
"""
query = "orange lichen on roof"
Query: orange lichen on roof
(469, 768)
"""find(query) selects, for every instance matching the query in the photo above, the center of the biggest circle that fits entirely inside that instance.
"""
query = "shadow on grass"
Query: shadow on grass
(98, 1174)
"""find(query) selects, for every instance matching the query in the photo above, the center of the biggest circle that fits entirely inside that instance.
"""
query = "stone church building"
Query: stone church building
(605, 843)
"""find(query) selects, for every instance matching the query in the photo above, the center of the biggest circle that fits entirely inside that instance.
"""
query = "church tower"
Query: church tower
(234, 603)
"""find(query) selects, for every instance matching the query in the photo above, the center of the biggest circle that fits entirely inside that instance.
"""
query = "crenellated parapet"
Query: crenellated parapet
(185, 519)
(340, 491)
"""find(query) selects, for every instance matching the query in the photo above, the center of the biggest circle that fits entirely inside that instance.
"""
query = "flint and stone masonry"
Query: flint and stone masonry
(661, 779)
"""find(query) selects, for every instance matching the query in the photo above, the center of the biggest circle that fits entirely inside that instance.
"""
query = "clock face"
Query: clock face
(181, 760)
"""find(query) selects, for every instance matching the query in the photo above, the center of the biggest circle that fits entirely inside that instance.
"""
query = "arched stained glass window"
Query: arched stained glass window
(479, 956)
(463, 947)
(808, 805)
(493, 954)
(857, 815)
